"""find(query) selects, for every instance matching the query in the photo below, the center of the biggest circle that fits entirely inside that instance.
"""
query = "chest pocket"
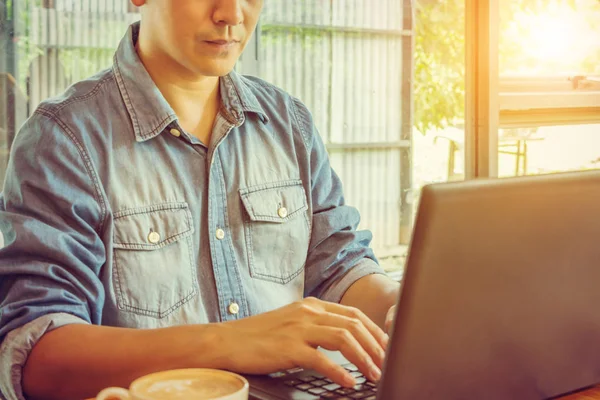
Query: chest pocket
(154, 272)
(277, 230)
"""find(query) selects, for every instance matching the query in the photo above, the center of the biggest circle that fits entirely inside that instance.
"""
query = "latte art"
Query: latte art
(203, 388)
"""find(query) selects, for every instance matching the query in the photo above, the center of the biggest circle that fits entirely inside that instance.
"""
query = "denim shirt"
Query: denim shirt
(113, 215)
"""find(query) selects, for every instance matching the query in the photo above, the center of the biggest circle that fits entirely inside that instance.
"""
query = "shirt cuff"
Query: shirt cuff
(16, 347)
(365, 267)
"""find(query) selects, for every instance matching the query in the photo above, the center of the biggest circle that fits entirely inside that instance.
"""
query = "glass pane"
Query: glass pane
(549, 149)
(549, 55)
(550, 37)
(350, 62)
(47, 45)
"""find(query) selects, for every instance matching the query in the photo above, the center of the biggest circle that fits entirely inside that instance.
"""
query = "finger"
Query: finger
(352, 312)
(338, 339)
(388, 326)
(359, 331)
(389, 319)
(313, 359)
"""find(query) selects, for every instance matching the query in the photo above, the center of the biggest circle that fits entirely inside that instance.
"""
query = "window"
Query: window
(549, 87)
(530, 64)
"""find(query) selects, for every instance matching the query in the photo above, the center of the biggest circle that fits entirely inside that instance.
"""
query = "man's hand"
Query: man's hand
(289, 337)
(389, 319)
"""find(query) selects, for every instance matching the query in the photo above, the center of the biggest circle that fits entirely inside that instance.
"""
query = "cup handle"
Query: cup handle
(113, 392)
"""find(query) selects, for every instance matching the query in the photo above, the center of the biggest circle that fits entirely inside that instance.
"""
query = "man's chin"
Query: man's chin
(215, 68)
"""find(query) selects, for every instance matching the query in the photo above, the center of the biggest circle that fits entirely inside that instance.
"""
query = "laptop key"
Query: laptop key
(345, 391)
(294, 370)
(279, 374)
(304, 386)
(328, 380)
(307, 378)
(319, 383)
(360, 379)
(370, 398)
(318, 376)
(371, 384)
(361, 395)
(292, 382)
(317, 391)
(329, 395)
(351, 367)
(356, 374)
(331, 387)
(361, 388)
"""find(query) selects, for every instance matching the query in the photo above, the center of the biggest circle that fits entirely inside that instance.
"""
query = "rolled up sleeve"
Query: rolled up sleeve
(338, 254)
(338, 288)
(18, 344)
(51, 252)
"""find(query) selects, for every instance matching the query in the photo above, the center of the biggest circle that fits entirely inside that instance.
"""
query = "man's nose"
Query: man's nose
(228, 12)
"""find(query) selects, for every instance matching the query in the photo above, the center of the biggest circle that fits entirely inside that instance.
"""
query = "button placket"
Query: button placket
(228, 279)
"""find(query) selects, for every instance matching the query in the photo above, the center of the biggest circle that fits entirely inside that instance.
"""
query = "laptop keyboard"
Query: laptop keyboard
(318, 385)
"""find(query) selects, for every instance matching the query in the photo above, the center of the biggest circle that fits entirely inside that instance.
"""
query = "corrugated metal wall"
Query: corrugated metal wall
(343, 58)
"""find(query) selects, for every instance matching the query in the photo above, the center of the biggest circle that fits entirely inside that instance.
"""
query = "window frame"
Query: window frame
(549, 101)
(493, 104)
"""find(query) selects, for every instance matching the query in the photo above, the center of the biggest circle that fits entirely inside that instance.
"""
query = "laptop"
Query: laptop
(500, 297)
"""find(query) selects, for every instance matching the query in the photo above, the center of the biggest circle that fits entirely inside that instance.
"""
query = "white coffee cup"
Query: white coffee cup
(184, 384)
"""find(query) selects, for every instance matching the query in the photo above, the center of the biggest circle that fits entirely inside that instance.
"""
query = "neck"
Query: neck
(194, 98)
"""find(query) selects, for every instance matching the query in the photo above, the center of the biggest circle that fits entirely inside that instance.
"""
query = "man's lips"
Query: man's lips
(221, 45)
(222, 42)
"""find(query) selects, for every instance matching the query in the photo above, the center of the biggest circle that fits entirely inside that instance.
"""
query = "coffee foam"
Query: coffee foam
(200, 388)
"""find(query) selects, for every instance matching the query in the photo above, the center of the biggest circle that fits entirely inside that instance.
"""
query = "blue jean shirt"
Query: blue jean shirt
(113, 215)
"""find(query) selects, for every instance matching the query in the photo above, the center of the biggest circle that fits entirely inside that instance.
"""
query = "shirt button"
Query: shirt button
(220, 234)
(233, 308)
(282, 212)
(175, 132)
(154, 237)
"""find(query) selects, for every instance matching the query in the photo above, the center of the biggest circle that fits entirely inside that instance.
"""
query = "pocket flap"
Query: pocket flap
(277, 202)
(152, 227)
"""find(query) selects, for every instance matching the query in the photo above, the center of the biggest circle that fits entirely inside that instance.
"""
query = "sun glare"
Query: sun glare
(551, 37)
(559, 36)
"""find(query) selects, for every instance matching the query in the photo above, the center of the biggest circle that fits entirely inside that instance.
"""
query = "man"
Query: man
(170, 193)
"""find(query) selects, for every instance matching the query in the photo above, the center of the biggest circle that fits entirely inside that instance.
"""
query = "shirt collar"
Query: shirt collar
(150, 113)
